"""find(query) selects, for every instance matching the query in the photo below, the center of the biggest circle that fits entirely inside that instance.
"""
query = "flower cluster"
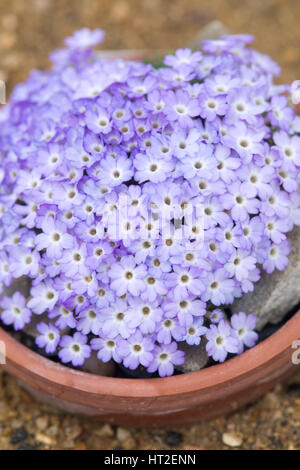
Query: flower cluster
(104, 165)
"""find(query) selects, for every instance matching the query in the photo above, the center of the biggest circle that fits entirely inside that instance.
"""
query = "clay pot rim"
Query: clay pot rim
(220, 374)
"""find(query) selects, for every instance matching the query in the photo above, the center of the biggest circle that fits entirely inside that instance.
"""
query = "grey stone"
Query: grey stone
(94, 366)
(212, 30)
(196, 357)
(275, 294)
(31, 328)
(21, 285)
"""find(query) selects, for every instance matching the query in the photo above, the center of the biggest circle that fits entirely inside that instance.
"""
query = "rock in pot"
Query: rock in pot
(275, 294)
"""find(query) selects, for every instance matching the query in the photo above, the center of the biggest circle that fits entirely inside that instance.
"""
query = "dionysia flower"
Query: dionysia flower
(139, 202)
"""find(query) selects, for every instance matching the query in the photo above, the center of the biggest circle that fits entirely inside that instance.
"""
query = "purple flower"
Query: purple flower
(5, 274)
(221, 341)
(212, 106)
(54, 238)
(115, 170)
(216, 315)
(280, 114)
(85, 38)
(219, 288)
(289, 148)
(116, 320)
(144, 315)
(184, 282)
(44, 297)
(14, 311)
(74, 349)
(108, 348)
(239, 202)
(240, 264)
(183, 57)
(185, 310)
(277, 257)
(89, 321)
(195, 332)
(127, 277)
(169, 329)
(245, 141)
(243, 328)
(74, 261)
(150, 167)
(180, 107)
(66, 318)
(165, 358)
(49, 337)
(136, 350)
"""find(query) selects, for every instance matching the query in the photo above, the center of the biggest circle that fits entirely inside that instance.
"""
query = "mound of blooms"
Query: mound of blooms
(103, 165)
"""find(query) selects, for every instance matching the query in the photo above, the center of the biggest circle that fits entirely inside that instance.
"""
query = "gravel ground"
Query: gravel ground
(29, 30)
(272, 423)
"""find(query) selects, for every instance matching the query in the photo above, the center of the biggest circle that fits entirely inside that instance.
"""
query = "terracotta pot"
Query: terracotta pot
(176, 400)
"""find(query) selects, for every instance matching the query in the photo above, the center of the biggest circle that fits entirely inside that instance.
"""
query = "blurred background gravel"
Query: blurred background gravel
(29, 30)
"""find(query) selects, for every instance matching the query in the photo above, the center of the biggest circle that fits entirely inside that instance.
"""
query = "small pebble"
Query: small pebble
(73, 431)
(173, 438)
(105, 431)
(42, 423)
(123, 434)
(232, 439)
(18, 436)
(43, 439)
(53, 430)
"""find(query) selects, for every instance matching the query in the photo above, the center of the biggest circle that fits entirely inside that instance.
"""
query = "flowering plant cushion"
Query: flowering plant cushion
(141, 202)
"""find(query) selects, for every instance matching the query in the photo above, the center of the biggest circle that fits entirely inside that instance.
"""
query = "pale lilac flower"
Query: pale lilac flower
(277, 257)
(216, 315)
(108, 349)
(239, 264)
(243, 329)
(128, 277)
(184, 282)
(116, 320)
(181, 107)
(165, 358)
(245, 141)
(221, 341)
(66, 317)
(89, 321)
(44, 297)
(54, 238)
(49, 337)
(185, 310)
(195, 332)
(183, 57)
(136, 350)
(219, 288)
(85, 38)
(144, 315)
(74, 349)
(14, 311)
(25, 262)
